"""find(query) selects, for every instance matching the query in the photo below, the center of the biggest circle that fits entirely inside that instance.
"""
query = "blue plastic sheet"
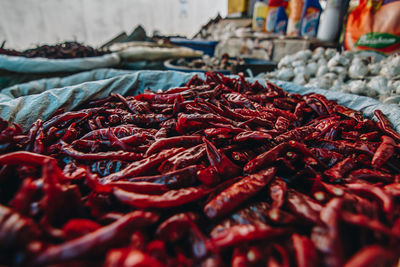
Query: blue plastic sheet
(44, 65)
(26, 103)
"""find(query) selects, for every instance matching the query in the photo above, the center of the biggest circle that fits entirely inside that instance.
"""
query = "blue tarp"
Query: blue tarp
(45, 65)
(27, 102)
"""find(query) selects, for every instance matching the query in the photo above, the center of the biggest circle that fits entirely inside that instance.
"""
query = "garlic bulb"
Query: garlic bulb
(322, 70)
(285, 74)
(312, 68)
(358, 70)
(374, 69)
(300, 79)
(358, 87)
(379, 84)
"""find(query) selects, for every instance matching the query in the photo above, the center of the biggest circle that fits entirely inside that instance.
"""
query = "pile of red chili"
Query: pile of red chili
(219, 172)
(57, 51)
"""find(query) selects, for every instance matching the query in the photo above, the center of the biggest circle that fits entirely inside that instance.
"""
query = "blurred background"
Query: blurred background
(26, 23)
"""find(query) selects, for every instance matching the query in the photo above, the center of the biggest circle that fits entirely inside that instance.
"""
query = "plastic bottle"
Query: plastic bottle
(330, 23)
(272, 12)
(259, 14)
(310, 18)
(295, 9)
(281, 21)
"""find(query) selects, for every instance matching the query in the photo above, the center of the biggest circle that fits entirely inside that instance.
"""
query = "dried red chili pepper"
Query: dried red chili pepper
(373, 255)
(96, 241)
(237, 193)
(306, 254)
(383, 152)
(239, 234)
(172, 198)
(385, 125)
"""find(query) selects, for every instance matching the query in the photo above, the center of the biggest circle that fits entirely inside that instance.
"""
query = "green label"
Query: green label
(377, 40)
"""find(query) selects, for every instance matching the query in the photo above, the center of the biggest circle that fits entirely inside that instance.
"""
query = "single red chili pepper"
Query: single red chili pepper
(187, 122)
(326, 237)
(319, 104)
(306, 152)
(24, 158)
(56, 195)
(135, 186)
(173, 180)
(371, 136)
(238, 234)
(130, 257)
(279, 112)
(239, 257)
(303, 207)
(172, 198)
(237, 193)
(277, 192)
(392, 189)
(252, 135)
(183, 159)
(327, 156)
(25, 196)
(70, 134)
(176, 141)
(96, 241)
(375, 192)
(142, 166)
(33, 133)
(242, 156)
(111, 155)
(65, 117)
(306, 255)
(385, 125)
(280, 217)
(169, 98)
(129, 142)
(219, 133)
(226, 168)
(239, 100)
(75, 228)
(367, 222)
(145, 119)
(176, 227)
(384, 152)
(119, 131)
(297, 134)
(340, 169)
(372, 255)
(265, 159)
(249, 113)
(350, 113)
(282, 124)
(352, 135)
(134, 106)
(209, 176)
(282, 104)
(371, 175)
(16, 231)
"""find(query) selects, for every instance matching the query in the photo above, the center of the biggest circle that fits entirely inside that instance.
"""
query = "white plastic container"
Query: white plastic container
(329, 25)
(259, 15)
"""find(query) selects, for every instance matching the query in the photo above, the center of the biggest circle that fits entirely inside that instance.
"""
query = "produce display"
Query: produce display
(208, 63)
(58, 51)
(218, 172)
(347, 72)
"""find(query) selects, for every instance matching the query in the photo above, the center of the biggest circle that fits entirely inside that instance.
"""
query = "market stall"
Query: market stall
(262, 141)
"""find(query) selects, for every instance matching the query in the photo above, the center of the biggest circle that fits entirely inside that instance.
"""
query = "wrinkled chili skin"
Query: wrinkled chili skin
(234, 195)
(217, 172)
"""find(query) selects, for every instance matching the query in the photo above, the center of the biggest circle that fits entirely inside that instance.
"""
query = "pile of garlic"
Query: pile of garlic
(347, 72)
